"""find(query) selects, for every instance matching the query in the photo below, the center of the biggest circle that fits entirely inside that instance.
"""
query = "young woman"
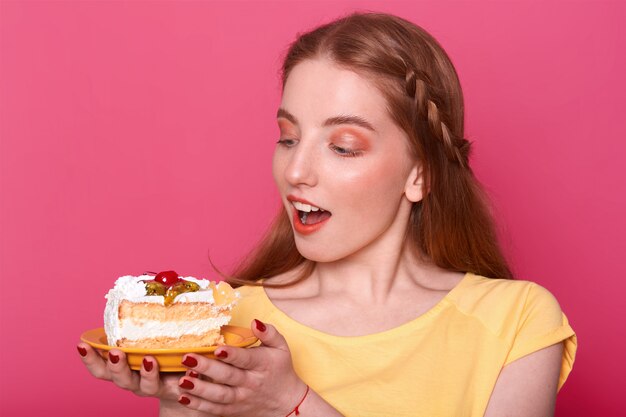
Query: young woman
(376, 290)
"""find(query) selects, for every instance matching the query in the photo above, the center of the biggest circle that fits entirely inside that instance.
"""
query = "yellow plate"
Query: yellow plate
(169, 360)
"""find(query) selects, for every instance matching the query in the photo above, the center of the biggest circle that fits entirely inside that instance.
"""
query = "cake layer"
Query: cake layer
(133, 330)
(175, 312)
(210, 338)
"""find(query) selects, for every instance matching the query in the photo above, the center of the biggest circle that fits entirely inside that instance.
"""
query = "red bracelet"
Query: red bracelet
(296, 410)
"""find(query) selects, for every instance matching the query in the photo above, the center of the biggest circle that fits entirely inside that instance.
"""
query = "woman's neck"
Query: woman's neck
(389, 266)
(374, 273)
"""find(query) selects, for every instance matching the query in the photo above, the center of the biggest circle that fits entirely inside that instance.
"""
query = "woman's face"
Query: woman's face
(341, 165)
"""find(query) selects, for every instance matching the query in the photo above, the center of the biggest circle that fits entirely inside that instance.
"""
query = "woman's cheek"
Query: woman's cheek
(370, 174)
(383, 185)
(278, 168)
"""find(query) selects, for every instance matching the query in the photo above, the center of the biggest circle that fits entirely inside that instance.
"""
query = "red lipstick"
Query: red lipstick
(299, 227)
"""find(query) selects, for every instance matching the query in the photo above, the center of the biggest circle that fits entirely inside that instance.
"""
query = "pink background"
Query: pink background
(138, 136)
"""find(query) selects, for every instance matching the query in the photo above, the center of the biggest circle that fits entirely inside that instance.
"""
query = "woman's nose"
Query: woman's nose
(301, 169)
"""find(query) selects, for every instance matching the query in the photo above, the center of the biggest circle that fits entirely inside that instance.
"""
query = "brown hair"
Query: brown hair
(452, 225)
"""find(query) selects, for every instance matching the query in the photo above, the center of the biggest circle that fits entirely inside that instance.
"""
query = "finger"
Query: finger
(253, 359)
(150, 381)
(193, 374)
(268, 335)
(240, 358)
(209, 391)
(121, 375)
(216, 371)
(94, 362)
(195, 403)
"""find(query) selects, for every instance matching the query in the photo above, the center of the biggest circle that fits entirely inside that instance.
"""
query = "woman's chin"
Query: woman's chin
(317, 253)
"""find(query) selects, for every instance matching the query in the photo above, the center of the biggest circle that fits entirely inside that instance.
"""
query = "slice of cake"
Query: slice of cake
(167, 311)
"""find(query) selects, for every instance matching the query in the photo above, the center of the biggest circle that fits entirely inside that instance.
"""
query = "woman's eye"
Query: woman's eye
(288, 143)
(344, 151)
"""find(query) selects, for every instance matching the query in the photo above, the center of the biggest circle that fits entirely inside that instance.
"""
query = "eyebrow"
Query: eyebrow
(343, 119)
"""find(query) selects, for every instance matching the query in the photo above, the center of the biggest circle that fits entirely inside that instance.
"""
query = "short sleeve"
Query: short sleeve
(542, 324)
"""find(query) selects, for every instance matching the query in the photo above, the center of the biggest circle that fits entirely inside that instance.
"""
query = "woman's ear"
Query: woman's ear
(414, 189)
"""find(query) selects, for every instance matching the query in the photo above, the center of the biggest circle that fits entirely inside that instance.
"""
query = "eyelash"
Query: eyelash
(288, 143)
(343, 152)
(347, 153)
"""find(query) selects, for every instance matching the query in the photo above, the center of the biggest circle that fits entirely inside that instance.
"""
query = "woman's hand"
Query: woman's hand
(145, 383)
(259, 381)
(148, 382)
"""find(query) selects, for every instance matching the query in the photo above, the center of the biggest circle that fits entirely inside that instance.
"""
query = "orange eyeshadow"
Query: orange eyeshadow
(286, 128)
(351, 139)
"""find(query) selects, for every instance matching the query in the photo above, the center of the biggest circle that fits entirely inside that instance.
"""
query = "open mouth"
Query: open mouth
(309, 214)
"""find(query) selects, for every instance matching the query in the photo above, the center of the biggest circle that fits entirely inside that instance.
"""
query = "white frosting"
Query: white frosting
(133, 289)
(152, 328)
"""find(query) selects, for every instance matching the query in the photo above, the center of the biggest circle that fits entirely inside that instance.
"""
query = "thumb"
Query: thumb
(268, 335)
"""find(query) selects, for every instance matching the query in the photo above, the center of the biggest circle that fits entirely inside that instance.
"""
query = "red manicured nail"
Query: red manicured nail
(187, 384)
(259, 325)
(190, 362)
(147, 365)
(223, 354)
(184, 400)
(194, 374)
(113, 358)
(82, 351)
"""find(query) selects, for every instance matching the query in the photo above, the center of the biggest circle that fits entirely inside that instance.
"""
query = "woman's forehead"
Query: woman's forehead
(319, 90)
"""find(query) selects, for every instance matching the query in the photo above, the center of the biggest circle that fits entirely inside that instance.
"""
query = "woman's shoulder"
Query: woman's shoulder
(504, 303)
(477, 288)
(250, 296)
(247, 291)
(251, 304)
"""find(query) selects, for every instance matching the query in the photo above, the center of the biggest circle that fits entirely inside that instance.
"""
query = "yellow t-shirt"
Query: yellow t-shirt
(443, 363)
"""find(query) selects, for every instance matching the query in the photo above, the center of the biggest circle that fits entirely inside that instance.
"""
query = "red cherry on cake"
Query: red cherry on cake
(167, 278)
